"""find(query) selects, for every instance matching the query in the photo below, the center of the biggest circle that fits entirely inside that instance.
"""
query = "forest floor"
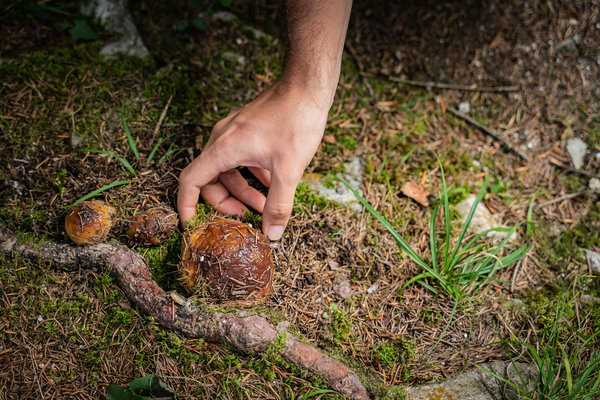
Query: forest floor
(339, 274)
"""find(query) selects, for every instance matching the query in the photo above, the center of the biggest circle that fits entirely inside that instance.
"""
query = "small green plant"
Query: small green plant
(567, 367)
(461, 270)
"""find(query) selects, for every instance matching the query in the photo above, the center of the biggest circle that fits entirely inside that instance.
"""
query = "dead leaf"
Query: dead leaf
(417, 192)
(329, 139)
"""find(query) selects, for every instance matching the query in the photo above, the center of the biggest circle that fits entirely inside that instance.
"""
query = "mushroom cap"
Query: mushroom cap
(89, 222)
(227, 260)
(153, 226)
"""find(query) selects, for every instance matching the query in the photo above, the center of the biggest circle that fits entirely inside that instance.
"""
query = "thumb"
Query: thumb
(278, 207)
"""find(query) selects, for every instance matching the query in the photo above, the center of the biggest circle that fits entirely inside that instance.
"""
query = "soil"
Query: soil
(339, 275)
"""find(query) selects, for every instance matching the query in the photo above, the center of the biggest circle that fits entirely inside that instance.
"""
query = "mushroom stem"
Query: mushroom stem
(246, 331)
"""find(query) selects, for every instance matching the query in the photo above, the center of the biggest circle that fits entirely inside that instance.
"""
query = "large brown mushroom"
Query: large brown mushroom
(228, 261)
(153, 226)
(89, 222)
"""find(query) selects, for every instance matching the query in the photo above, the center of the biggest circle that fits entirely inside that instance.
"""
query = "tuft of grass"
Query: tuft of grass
(568, 366)
(460, 270)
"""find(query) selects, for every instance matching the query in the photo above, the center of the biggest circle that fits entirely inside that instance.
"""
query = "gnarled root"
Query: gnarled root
(246, 331)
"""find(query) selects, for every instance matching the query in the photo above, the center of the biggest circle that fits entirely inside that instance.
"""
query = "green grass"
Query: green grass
(460, 270)
(567, 360)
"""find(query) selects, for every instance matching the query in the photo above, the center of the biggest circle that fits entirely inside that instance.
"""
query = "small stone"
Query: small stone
(593, 260)
(464, 107)
(74, 139)
(576, 148)
(336, 190)
(342, 289)
(594, 185)
(588, 300)
(372, 288)
(224, 16)
(482, 220)
(234, 57)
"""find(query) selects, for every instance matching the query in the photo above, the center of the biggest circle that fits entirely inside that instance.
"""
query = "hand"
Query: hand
(275, 136)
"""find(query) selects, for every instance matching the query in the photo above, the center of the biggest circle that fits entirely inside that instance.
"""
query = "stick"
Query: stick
(160, 120)
(561, 198)
(451, 86)
(489, 132)
(246, 331)
(574, 170)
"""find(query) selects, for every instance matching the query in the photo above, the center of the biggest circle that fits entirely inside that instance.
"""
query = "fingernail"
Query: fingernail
(275, 231)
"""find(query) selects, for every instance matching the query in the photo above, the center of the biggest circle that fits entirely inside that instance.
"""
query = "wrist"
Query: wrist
(316, 87)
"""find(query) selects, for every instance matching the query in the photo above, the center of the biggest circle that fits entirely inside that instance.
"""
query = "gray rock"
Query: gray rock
(476, 384)
(234, 57)
(576, 148)
(354, 171)
(115, 17)
(482, 220)
(589, 301)
(464, 107)
(594, 185)
(224, 16)
(593, 260)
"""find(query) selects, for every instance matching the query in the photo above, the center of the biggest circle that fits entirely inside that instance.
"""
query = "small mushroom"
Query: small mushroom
(89, 222)
(153, 226)
(227, 260)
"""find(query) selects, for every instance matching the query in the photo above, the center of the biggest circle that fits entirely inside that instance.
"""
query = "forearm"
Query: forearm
(316, 30)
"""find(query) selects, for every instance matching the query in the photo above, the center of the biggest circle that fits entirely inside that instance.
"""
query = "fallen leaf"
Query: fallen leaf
(417, 192)
(329, 139)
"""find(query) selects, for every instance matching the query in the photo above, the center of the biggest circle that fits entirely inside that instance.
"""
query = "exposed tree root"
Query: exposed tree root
(246, 331)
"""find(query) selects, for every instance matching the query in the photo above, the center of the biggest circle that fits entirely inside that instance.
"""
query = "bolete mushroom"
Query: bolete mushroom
(153, 226)
(228, 261)
(89, 222)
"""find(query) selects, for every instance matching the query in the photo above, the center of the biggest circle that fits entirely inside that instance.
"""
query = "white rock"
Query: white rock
(482, 220)
(353, 175)
(464, 107)
(594, 185)
(224, 16)
(593, 260)
(116, 18)
(576, 148)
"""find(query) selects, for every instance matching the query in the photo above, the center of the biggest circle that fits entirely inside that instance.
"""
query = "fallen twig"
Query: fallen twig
(160, 120)
(489, 132)
(451, 86)
(561, 198)
(574, 170)
(246, 331)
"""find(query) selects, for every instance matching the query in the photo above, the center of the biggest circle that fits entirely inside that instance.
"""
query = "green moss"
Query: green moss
(306, 198)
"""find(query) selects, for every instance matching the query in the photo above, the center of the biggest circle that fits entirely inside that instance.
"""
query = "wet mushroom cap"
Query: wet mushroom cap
(153, 226)
(89, 222)
(228, 261)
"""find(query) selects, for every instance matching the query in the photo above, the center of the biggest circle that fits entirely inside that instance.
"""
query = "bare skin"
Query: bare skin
(277, 134)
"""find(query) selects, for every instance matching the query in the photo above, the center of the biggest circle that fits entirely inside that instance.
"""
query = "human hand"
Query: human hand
(275, 136)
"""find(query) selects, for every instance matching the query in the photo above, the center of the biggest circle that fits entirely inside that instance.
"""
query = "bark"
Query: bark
(246, 331)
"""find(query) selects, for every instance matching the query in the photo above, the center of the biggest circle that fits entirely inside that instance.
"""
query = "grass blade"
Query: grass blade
(469, 218)
(399, 239)
(155, 148)
(129, 137)
(97, 192)
(432, 238)
(112, 154)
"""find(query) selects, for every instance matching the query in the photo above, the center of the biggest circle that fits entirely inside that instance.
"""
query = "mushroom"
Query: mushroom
(153, 226)
(89, 222)
(227, 260)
